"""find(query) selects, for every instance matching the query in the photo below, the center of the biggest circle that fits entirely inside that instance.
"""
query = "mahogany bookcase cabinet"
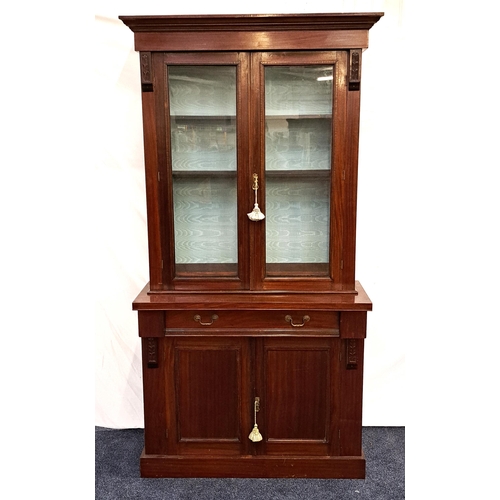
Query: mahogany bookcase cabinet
(252, 324)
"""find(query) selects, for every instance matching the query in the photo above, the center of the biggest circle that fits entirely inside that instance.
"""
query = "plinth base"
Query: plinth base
(253, 466)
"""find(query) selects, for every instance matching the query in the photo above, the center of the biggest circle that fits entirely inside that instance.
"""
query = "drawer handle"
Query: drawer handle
(305, 319)
(198, 319)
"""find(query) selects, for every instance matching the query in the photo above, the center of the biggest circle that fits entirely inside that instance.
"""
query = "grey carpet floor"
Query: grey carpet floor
(117, 474)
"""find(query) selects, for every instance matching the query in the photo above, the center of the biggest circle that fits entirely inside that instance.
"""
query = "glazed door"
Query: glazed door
(208, 394)
(203, 158)
(296, 383)
(299, 110)
(251, 168)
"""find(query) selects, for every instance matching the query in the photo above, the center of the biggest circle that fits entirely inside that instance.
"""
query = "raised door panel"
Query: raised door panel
(208, 385)
(296, 383)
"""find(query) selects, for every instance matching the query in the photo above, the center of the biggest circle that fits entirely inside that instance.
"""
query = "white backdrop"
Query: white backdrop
(122, 239)
(412, 186)
(427, 232)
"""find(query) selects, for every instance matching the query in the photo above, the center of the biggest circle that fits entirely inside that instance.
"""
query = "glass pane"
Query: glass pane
(203, 146)
(298, 108)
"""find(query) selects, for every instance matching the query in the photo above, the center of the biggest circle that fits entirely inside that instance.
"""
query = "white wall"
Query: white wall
(122, 241)
(419, 231)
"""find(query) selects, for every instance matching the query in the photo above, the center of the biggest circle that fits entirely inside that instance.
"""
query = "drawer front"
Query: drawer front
(252, 322)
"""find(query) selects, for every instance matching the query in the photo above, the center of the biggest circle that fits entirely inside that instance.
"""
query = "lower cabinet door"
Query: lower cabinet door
(297, 383)
(209, 383)
(212, 384)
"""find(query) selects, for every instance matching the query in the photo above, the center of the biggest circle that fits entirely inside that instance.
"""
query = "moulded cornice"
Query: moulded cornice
(252, 22)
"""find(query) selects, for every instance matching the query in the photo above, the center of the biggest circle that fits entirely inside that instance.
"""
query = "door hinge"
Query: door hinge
(342, 264)
(159, 177)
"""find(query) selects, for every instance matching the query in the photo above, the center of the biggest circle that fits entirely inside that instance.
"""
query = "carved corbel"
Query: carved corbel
(146, 72)
(152, 354)
(352, 356)
(355, 69)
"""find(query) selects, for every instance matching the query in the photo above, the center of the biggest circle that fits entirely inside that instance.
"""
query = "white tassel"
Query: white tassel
(255, 435)
(256, 214)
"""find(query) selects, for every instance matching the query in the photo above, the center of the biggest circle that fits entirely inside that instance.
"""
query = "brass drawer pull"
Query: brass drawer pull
(305, 319)
(197, 318)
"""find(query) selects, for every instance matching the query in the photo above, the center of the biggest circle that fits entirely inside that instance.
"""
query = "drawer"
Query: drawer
(256, 322)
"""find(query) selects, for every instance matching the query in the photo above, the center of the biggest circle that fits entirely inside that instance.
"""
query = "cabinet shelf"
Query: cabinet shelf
(272, 173)
(203, 119)
(203, 173)
(298, 173)
(276, 115)
(270, 115)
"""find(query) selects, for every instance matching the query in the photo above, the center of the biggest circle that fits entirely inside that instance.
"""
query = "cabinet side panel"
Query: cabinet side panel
(153, 209)
(351, 397)
(155, 439)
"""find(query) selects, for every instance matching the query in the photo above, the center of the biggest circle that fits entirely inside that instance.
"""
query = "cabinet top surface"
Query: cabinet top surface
(358, 301)
(253, 22)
